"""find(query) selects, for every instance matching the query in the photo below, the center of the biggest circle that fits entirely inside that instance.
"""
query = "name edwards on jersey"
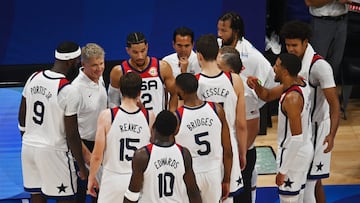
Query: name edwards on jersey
(42, 91)
(217, 91)
(132, 127)
(199, 122)
(166, 161)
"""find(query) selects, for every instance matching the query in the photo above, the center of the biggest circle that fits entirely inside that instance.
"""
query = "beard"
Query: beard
(73, 71)
(229, 41)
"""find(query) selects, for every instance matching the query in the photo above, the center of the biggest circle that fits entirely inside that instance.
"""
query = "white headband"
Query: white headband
(67, 56)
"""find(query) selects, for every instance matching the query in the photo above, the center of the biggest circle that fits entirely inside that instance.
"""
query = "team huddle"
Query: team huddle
(181, 128)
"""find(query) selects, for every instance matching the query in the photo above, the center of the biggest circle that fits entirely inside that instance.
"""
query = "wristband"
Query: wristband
(132, 196)
(21, 128)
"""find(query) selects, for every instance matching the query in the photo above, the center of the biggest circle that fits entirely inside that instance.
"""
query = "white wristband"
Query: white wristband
(21, 128)
(132, 196)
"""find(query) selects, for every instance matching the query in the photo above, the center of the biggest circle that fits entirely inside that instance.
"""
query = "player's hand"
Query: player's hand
(83, 173)
(183, 64)
(225, 190)
(242, 162)
(252, 82)
(93, 186)
(329, 140)
(280, 179)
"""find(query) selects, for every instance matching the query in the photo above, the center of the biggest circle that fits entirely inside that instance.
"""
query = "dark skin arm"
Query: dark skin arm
(262, 92)
(332, 99)
(139, 163)
(169, 80)
(22, 113)
(227, 152)
(292, 106)
(189, 179)
(75, 144)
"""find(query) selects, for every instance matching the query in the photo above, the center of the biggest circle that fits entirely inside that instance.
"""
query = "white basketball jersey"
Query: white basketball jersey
(44, 117)
(200, 132)
(163, 177)
(152, 88)
(284, 131)
(219, 89)
(128, 132)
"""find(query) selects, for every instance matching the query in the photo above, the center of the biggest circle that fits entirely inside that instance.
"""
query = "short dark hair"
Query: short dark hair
(207, 46)
(236, 22)
(130, 84)
(135, 38)
(165, 123)
(296, 30)
(231, 57)
(187, 82)
(67, 47)
(291, 63)
(183, 31)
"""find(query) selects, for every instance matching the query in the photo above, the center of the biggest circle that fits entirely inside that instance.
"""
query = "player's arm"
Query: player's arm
(139, 163)
(103, 126)
(169, 80)
(22, 115)
(192, 188)
(114, 87)
(227, 152)
(332, 99)
(240, 122)
(262, 92)
(70, 101)
(292, 106)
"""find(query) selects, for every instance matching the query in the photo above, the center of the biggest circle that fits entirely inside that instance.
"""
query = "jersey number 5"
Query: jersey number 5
(202, 142)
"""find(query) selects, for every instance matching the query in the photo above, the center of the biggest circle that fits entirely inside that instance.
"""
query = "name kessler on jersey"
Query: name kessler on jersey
(130, 127)
(217, 91)
(199, 122)
(166, 161)
(41, 90)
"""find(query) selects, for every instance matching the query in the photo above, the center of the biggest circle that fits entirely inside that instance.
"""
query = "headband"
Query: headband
(67, 56)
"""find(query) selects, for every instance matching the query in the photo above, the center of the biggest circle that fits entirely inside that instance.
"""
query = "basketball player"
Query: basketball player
(227, 89)
(48, 123)
(229, 60)
(325, 104)
(155, 74)
(92, 89)
(120, 131)
(230, 27)
(295, 149)
(204, 131)
(162, 170)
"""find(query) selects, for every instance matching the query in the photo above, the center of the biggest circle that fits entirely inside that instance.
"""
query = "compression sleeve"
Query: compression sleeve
(294, 144)
(114, 97)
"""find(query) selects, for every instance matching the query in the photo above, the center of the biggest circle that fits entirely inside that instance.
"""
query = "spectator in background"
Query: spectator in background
(329, 27)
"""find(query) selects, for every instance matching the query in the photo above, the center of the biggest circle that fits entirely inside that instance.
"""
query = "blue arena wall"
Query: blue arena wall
(29, 30)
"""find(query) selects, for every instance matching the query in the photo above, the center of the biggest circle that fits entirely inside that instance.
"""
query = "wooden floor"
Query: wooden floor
(345, 162)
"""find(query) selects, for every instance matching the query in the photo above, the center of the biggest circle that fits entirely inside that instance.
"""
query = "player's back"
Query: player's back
(200, 132)
(163, 177)
(44, 116)
(128, 132)
(219, 89)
